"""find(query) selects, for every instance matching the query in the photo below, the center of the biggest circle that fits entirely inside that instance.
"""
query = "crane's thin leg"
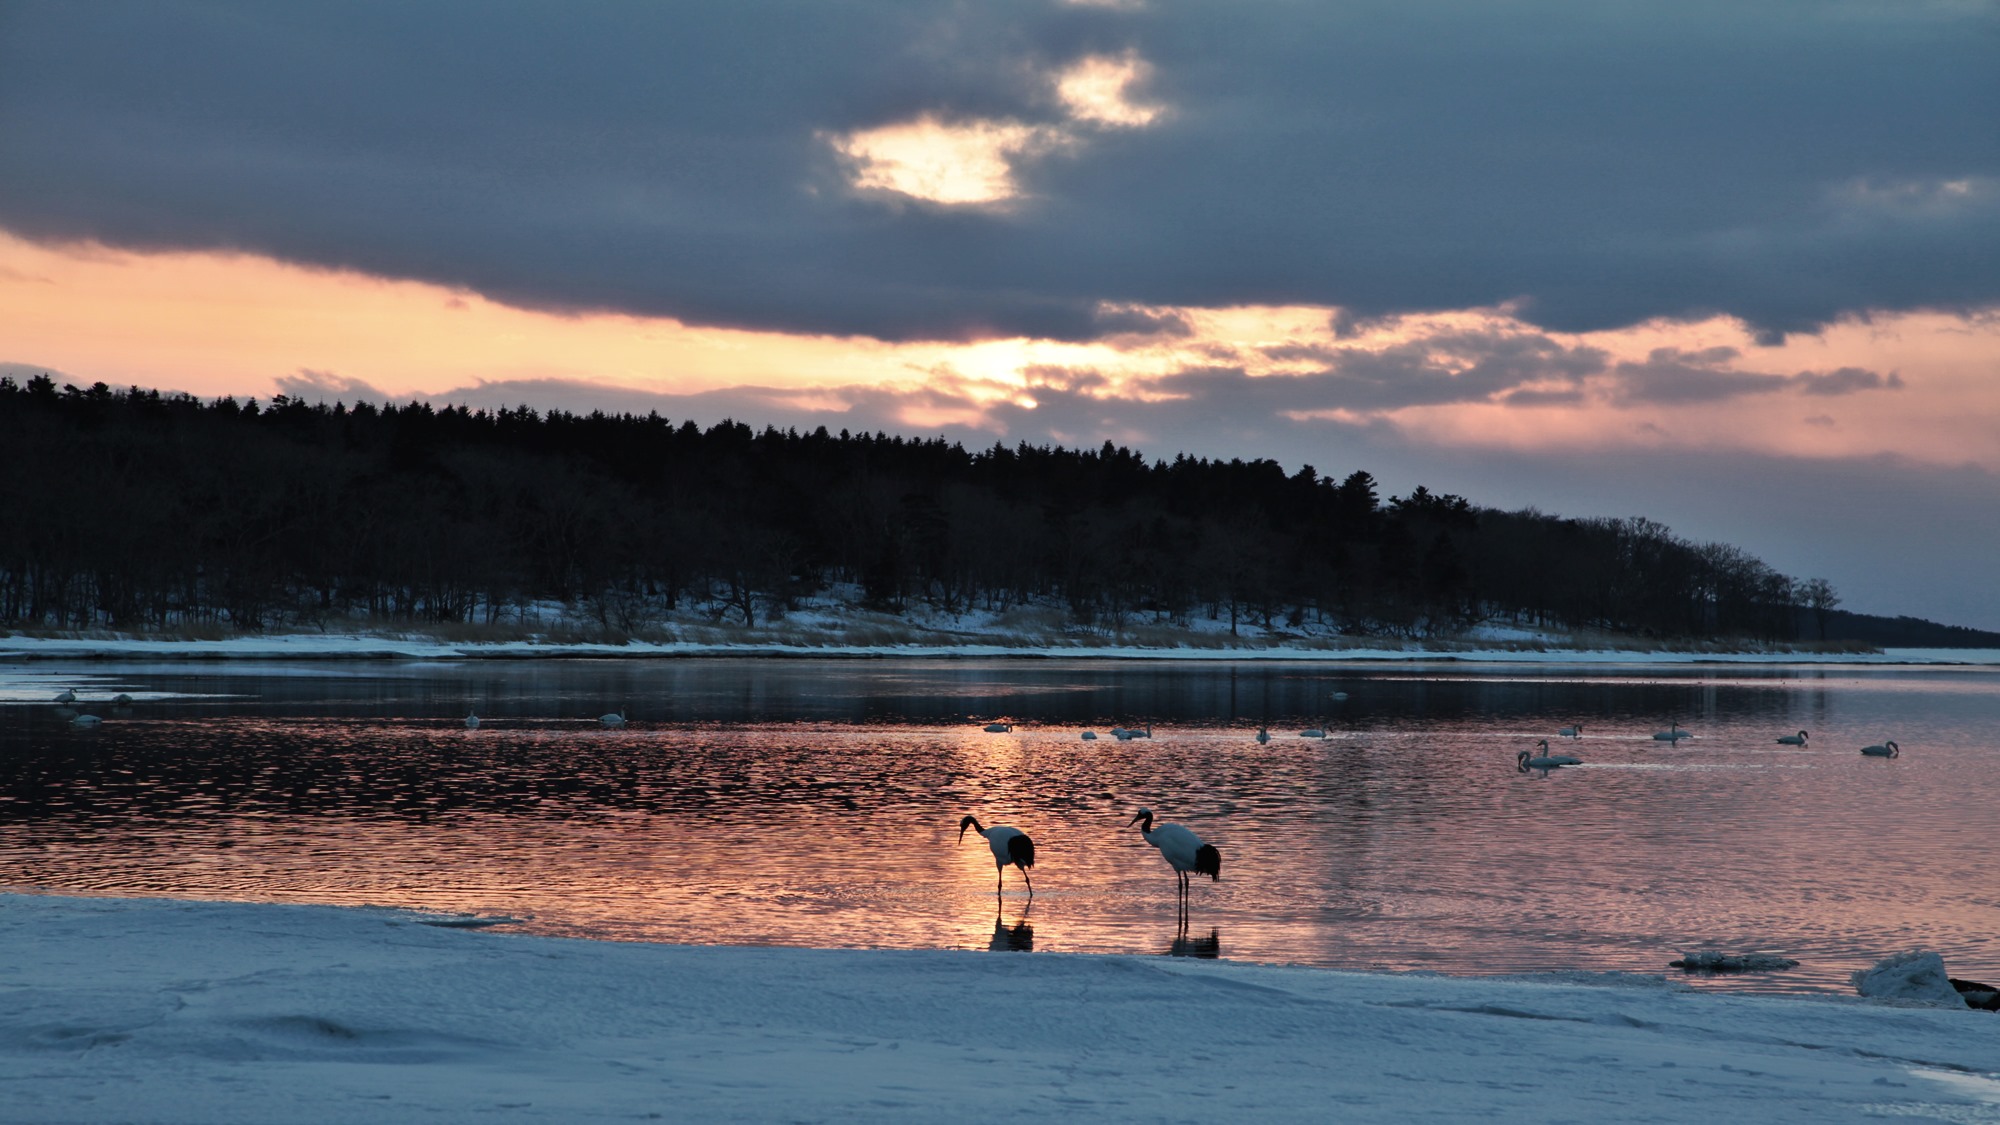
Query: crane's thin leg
(1030, 882)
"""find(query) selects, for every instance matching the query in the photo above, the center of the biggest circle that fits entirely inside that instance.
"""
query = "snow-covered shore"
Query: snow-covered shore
(156, 1011)
(380, 646)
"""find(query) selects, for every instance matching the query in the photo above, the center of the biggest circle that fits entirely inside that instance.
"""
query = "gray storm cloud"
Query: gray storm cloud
(1596, 165)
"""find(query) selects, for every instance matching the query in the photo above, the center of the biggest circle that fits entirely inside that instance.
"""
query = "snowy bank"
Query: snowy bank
(155, 1011)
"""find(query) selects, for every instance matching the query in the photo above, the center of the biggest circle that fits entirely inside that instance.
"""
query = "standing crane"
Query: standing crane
(1009, 845)
(1182, 849)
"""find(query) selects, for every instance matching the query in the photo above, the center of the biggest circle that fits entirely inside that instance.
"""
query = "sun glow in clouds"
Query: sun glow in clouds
(971, 162)
(1097, 90)
(942, 162)
(1917, 385)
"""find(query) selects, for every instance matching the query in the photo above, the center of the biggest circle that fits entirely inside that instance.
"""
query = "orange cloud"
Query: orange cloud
(1920, 386)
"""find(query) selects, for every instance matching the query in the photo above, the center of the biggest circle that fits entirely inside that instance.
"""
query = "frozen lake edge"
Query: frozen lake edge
(149, 1010)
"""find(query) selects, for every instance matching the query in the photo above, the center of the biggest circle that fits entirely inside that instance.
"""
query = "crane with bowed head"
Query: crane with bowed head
(1009, 845)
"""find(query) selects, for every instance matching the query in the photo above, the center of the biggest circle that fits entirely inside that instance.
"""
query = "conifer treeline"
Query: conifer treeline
(142, 511)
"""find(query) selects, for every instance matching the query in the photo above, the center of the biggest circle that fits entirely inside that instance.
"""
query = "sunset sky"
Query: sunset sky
(1732, 266)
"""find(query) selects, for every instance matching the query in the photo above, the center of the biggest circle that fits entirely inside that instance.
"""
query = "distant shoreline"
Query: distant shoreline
(371, 646)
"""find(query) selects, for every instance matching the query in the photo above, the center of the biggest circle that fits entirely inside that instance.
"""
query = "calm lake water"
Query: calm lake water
(809, 802)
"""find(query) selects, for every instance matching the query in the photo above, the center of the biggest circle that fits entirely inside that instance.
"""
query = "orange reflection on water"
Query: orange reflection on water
(1405, 840)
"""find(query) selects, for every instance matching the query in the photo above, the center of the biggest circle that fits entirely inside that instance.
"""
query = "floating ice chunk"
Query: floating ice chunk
(1716, 961)
(1914, 977)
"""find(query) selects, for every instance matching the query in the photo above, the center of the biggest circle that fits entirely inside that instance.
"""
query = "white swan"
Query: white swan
(614, 719)
(85, 721)
(1263, 734)
(1571, 732)
(1798, 739)
(1315, 732)
(1558, 759)
(1673, 733)
(471, 722)
(67, 696)
(1527, 760)
(999, 728)
(1090, 736)
(1887, 749)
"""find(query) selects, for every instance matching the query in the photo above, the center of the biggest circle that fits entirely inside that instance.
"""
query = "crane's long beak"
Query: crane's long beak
(961, 833)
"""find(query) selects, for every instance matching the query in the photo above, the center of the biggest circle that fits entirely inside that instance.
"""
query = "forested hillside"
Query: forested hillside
(138, 510)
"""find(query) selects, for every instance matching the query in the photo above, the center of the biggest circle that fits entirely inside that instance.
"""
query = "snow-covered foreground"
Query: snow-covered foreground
(167, 1011)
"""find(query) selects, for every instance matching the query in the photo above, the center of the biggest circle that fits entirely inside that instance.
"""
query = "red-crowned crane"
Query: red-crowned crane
(1182, 849)
(1009, 845)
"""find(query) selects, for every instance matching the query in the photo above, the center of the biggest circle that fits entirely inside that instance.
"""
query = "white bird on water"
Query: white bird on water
(1571, 732)
(1798, 739)
(1009, 845)
(1315, 732)
(85, 721)
(67, 696)
(1090, 736)
(1886, 749)
(1673, 733)
(1545, 761)
(1263, 734)
(1124, 734)
(614, 719)
(999, 728)
(1182, 849)
(471, 722)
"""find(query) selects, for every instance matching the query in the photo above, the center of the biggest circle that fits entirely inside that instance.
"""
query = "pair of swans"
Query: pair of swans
(1544, 761)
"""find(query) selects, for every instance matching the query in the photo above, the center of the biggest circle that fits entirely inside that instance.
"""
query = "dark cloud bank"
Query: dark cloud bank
(1785, 162)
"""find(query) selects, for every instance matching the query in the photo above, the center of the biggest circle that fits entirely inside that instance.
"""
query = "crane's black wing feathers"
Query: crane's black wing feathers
(1021, 851)
(1208, 861)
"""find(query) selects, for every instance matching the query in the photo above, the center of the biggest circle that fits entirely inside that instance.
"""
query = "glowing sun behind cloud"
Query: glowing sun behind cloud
(971, 161)
(1097, 90)
(944, 162)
